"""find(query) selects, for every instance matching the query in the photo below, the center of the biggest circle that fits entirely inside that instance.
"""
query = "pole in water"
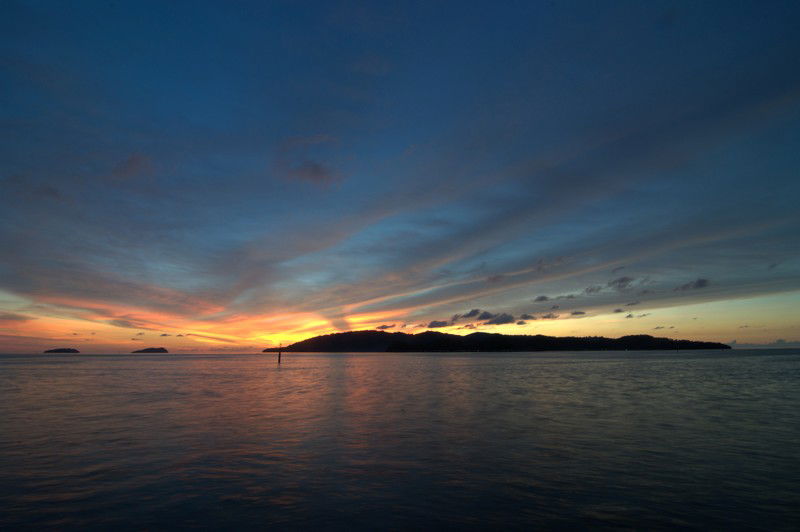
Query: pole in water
(279, 353)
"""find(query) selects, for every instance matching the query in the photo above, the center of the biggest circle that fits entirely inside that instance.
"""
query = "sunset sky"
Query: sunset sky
(227, 176)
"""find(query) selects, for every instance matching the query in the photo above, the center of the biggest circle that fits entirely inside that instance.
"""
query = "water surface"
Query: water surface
(620, 440)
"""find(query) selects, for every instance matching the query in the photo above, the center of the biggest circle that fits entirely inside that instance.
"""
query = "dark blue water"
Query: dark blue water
(617, 440)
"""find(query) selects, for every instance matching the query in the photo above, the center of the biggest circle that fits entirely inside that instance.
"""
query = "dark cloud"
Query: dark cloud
(472, 313)
(140, 334)
(694, 285)
(383, 327)
(434, 324)
(136, 164)
(308, 159)
(567, 296)
(313, 171)
(165, 334)
(659, 327)
(501, 319)
(521, 322)
(618, 310)
(541, 298)
(179, 335)
(618, 269)
(632, 303)
(10, 316)
(621, 283)
(486, 315)
(122, 323)
(643, 315)
(554, 307)
(578, 313)
(593, 289)
(629, 316)
(550, 316)
(527, 317)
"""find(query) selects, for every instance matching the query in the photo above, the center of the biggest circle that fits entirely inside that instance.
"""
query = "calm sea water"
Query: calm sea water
(618, 440)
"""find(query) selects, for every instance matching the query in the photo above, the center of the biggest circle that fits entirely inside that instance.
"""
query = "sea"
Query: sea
(604, 440)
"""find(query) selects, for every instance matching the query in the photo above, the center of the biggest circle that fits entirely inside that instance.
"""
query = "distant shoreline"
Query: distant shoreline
(436, 342)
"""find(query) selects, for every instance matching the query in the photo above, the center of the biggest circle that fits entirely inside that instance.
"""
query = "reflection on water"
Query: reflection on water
(646, 440)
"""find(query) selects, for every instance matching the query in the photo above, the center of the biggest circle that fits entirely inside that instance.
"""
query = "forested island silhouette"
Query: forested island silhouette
(433, 341)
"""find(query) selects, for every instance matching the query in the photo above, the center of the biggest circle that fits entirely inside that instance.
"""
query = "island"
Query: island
(433, 341)
(62, 350)
(151, 350)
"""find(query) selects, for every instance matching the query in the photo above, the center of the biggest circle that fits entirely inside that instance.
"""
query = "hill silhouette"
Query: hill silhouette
(62, 350)
(432, 341)
(151, 350)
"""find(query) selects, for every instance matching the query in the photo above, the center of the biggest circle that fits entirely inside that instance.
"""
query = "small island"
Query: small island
(433, 341)
(151, 350)
(62, 350)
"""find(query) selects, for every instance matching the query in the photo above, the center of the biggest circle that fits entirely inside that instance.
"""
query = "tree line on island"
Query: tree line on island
(433, 341)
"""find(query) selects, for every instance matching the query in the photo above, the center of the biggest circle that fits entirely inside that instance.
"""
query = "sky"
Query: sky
(230, 176)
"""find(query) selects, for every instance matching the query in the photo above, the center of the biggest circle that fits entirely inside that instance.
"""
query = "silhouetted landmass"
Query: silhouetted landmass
(151, 350)
(62, 350)
(380, 341)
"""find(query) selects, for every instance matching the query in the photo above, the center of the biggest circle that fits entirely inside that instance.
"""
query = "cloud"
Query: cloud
(541, 298)
(629, 316)
(435, 324)
(567, 296)
(554, 307)
(659, 327)
(313, 171)
(550, 316)
(618, 310)
(495, 278)
(178, 335)
(384, 327)
(140, 334)
(136, 164)
(485, 315)
(632, 303)
(593, 289)
(122, 323)
(308, 159)
(578, 313)
(501, 319)
(10, 316)
(521, 322)
(527, 317)
(621, 283)
(618, 269)
(693, 285)
(472, 313)
(208, 337)
(165, 334)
